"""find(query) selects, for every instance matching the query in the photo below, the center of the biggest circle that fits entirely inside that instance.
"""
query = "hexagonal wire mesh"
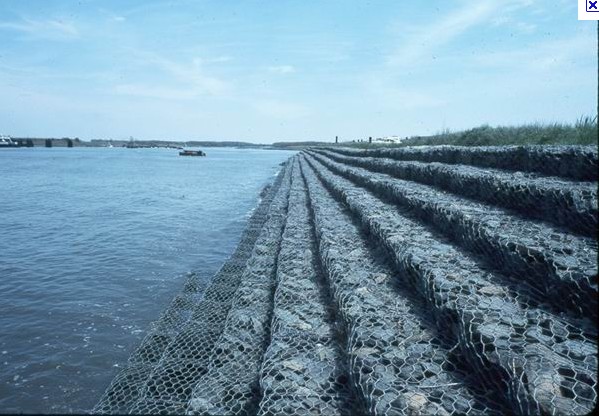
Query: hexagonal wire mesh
(355, 302)
(497, 329)
(230, 384)
(161, 373)
(566, 203)
(580, 163)
(304, 367)
(555, 264)
(397, 360)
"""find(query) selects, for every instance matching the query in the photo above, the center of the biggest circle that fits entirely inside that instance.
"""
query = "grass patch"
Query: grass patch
(584, 132)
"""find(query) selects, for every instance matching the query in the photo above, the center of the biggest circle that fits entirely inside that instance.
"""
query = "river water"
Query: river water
(94, 243)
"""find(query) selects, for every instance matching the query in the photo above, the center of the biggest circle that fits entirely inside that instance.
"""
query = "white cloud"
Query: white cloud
(198, 62)
(149, 91)
(219, 59)
(512, 23)
(190, 76)
(393, 95)
(425, 39)
(194, 76)
(281, 69)
(169, 79)
(280, 109)
(46, 29)
(548, 56)
(419, 42)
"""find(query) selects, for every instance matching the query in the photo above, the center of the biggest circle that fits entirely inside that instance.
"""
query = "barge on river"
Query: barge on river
(192, 153)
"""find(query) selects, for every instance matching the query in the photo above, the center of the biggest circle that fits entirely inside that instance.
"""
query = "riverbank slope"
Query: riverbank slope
(438, 280)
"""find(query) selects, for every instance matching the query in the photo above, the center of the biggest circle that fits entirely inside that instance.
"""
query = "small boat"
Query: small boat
(192, 153)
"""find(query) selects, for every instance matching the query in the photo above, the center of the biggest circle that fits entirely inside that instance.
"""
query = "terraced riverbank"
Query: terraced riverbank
(401, 281)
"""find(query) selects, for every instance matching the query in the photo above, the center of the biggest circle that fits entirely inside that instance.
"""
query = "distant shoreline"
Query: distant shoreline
(20, 142)
(76, 142)
(583, 132)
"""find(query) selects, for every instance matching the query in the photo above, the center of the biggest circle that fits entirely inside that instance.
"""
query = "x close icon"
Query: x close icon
(593, 5)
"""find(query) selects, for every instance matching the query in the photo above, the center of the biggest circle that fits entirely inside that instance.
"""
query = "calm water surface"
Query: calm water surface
(94, 243)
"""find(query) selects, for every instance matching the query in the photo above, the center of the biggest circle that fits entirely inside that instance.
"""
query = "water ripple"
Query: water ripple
(93, 245)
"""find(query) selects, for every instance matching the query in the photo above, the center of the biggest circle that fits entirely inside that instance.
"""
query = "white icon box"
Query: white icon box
(588, 9)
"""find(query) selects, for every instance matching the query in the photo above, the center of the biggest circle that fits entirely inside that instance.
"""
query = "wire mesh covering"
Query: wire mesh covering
(399, 364)
(162, 372)
(537, 361)
(231, 384)
(367, 285)
(525, 250)
(575, 162)
(304, 368)
(564, 203)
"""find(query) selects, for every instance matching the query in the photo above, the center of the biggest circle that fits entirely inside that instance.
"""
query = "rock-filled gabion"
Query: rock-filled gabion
(520, 248)
(560, 201)
(304, 367)
(164, 370)
(391, 282)
(231, 384)
(574, 162)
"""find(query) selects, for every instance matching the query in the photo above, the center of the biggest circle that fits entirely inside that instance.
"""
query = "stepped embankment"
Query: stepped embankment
(432, 280)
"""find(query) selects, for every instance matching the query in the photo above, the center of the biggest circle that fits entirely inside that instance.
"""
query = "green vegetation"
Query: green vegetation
(297, 145)
(584, 131)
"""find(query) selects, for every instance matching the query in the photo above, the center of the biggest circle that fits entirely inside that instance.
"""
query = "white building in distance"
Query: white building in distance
(389, 139)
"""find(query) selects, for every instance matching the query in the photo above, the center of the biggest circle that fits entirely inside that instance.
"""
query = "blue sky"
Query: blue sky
(266, 71)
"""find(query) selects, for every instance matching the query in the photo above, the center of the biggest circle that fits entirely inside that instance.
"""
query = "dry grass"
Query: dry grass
(584, 131)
